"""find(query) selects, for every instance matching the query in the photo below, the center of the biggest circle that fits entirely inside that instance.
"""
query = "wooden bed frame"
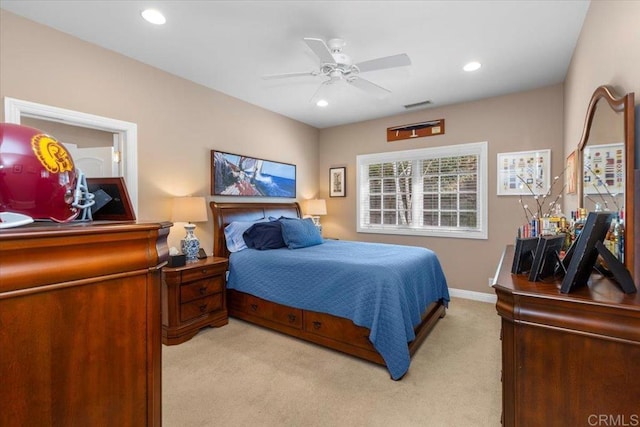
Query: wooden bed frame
(324, 329)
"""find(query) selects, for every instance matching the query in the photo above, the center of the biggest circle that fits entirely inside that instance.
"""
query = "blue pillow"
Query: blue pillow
(233, 234)
(300, 233)
(264, 235)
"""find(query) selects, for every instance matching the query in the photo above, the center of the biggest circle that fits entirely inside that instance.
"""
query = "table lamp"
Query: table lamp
(190, 210)
(315, 208)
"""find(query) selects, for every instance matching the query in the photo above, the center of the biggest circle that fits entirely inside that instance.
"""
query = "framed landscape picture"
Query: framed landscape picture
(237, 175)
(337, 182)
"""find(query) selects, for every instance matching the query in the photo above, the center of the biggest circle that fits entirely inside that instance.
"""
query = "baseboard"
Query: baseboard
(477, 296)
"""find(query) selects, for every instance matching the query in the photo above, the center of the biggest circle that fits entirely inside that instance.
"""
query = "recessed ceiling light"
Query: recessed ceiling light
(472, 66)
(153, 16)
(322, 103)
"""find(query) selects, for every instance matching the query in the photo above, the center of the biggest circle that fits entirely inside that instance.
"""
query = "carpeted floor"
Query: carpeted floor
(242, 375)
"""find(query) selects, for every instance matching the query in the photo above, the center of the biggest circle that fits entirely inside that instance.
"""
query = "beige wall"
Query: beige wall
(179, 122)
(522, 121)
(607, 53)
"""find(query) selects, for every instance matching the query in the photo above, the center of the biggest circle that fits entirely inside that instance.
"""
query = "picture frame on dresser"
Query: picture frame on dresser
(525, 251)
(112, 202)
(547, 257)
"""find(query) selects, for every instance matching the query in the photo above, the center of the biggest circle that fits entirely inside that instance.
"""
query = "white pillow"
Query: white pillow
(234, 231)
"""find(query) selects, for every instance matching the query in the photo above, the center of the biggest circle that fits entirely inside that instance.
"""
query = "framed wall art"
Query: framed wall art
(415, 130)
(237, 175)
(603, 169)
(337, 182)
(571, 173)
(524, 172)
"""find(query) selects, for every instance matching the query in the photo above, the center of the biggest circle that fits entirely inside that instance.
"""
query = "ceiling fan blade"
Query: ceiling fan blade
(393, 61)
(287, 75)
(369, 87)
(320, 48)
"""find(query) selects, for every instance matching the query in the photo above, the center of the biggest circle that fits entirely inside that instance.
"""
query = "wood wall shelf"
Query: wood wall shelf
(416, 130)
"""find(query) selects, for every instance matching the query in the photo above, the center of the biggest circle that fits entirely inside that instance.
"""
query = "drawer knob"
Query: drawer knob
(203, 308)
(317, 325)
(254, 307)
(205, 271)
(292, 318)
(203, 289)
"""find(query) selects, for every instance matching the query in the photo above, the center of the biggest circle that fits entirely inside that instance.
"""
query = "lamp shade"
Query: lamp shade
(189, 209)
(316, 207)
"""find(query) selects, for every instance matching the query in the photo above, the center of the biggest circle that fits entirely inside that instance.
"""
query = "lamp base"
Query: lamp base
(316, 222)
(190, 244)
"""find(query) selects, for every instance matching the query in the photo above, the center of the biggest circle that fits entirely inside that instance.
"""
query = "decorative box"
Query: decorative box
(177, 260)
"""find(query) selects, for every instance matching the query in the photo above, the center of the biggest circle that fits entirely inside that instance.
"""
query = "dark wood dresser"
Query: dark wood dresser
(567, 359)
(80, 331)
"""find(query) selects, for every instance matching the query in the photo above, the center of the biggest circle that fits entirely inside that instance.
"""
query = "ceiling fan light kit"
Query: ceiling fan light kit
(339, 68)
(472, 66)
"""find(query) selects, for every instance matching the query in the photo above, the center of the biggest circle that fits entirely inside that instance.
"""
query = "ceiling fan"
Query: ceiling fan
(338, 67)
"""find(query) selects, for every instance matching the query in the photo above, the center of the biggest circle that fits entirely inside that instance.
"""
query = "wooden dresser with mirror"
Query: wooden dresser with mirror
(606, 163)
(572, 358)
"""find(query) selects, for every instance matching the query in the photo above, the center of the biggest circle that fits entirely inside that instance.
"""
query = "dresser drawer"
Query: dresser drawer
(202, 272)
(199, 307)
(281, 314)
(336, 328)
(201, 288)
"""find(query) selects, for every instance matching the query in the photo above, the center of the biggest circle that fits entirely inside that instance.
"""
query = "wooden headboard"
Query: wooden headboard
(225, 213)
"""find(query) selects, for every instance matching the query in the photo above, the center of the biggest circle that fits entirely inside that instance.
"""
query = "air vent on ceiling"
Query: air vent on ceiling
(418, 104)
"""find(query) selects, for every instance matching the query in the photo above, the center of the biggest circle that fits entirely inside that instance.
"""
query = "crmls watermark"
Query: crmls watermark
(617, 420)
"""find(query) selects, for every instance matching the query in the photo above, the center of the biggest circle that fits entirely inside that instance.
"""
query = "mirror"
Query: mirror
(605, 160)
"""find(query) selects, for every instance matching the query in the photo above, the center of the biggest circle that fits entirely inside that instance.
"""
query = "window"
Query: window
(439, 191)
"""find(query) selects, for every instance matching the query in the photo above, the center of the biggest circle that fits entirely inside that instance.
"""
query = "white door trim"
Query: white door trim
(14, 109)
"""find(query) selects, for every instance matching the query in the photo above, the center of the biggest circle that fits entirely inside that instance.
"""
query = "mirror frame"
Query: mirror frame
(621, 104)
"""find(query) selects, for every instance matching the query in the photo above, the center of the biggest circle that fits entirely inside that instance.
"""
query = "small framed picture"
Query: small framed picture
(524, 172)
(112, 201)
(570, 174)
(337, 184)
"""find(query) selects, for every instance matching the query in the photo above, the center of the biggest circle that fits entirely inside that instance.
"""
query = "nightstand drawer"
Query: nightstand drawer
(200, 307)
(201, 288)
(202, 272)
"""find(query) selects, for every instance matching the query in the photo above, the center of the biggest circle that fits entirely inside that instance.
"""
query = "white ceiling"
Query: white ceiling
(229, 45)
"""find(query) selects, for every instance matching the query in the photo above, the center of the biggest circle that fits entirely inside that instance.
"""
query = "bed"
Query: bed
(384, 324)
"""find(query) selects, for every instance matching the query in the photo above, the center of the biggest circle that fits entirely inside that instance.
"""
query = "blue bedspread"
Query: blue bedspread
(383, 287)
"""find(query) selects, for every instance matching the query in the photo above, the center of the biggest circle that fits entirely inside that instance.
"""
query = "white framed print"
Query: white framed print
(337, 182)
(603, 169)
(524, 172)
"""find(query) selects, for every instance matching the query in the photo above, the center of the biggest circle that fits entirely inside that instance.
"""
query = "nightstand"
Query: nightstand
(193, 296)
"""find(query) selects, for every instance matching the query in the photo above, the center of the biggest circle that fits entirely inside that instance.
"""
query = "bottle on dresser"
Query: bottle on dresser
(620, 234)
(611, 239)
(579, 222)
